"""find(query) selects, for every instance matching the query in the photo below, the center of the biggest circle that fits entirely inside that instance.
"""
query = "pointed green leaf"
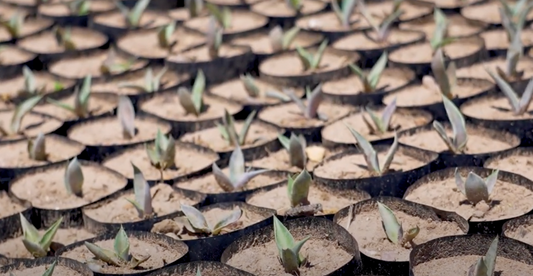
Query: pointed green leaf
(50, 270)
(143, 198)
(29, 80)
(222, 180)
(233, 217)
(459, 181)
(491, 180)
(285, 142)
(103, 254)
(289, 36)
(186, 101)
(48, 236)
(35, 249)
(458, 124)
(29, 231)
(246, 127)
(305, 57)
(478, 269)
(74, 178)
(441, 26)
(229, 125)
(379, 125)
(313, 102)
(276, 39)
(198, 90)
(289, 260)
(134, 15)
(249, 85)
(196, 219)
(390, 155)
(135, 262)
(81, 101)
(213, 38)
(359, 72)
(377, 69)
(442, 134)
(490, 257)
(475, 188)
(525, 101)
(164, 34)
(122, 245)
(318, 55)
(386, 116)
(507, 90)
(338, 12)
(236, 165)
(37, 149)
(299, 189)
(198, 273)
(383, 31)
(371, 156)
(297, 155)
(63, 105)
(282, 236)
(440, 74)
(347, 9)
(393, 229)
(21, 111)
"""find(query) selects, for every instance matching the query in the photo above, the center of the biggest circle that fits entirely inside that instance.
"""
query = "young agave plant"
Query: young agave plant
(457, 143)
(519, 105)
(74, 178)
(513, 55)
(162, 153)
(30, 83)
(79, 7)
(288, 248)
(199, 225)
(20, 111)
(121, 256)
(37, 148)
(63, 37)
(111, 66)
(514, 16)
(164, 36)
(295, 4)
(380, 125)
(445, 77)
(36, 244)
(222, 15)
(126, 116)
(382, 29)
(344, 11)
(152, 83)
(310, 61)
(193, 102)
(296, 146)
(81, 100)
(213, 38)
(143, 198)
(439, 38)
(238, 176)
(371, 156)
(370, 81)
(133, 16)
(14, 24)
(485, 265)
(474, 187)
(298, 188)
(314, 98)
(194, 7)
(393, 229)
(280, 40)
(254, 92)
(228, 131)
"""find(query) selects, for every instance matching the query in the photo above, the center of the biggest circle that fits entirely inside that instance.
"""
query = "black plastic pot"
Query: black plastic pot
(97, 227)
(390, 184)
(156, 4)
(4, 261)
(517, 228)
(375, 266)
(454, 7)
(66, 89)
(449, 159)
(498, 50)
(169, 244)
(206, 268)
(518, 152)
(10, 225)
(200, 24)
(456, 26)
(13, 69)
(495, 21)
(468, 245)
(69, 18)
(286, 21)
(18, 265)
(332, 35)
(47, 24)
(54, 125)
(317, 228)
(482, 227)
(72, 217)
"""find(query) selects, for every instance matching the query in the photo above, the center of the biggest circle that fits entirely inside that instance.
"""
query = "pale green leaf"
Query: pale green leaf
(122, 245)
(196, 219)
(392, 227)
(298, 189)
(74, 178)
(233, 217)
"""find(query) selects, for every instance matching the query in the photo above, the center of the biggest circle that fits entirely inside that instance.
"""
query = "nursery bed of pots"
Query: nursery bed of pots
(210, 137)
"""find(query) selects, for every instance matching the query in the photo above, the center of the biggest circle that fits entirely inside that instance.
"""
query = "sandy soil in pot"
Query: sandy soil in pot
(99, 104)
(11, 55)
(31, 26)
(422, 52)
(201, 54)
(493, 108)
(276, 8)
(458, 26)
(497, 39)
(8, 10)
(165, 201)
(10, 87)
(328, 22)
(410, 10)
(522, 233)
(488, 12)
(182, 14)
(117, 20)
(241, 21)
(459, 266)
(31, 125)
(362, 41)
(39, 270)
(56, 10)
(26, 3)
(452, 4)
(233, 2)
(260, 42)
(478, 70)
(8, 206)
(518, 163)
(45, 43)
(15, 155)
(188, 160)
(45, 188)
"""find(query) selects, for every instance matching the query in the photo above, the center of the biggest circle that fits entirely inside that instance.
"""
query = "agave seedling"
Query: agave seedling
(152, 83)
(382, 29)
(228, 131)
(199, 224)
(213, 38)
(79, 7)
(255, 92)
(295, 4)
(64, 38)
(238, 176)
(344, 11)
(36, 244)
(48, 272)
(474, 187)
(440, 38)
(222, 15)
(519, 105)
(20, 111)
(121, 256)
(310, 61)
(193, 102)
(111, 66)
(280, 40)
(30, 84)
(314, 99)
(485, 265)
(380, 125)
(393, 229)
(445, 77)
(164, 36)
(133, 16)
(194, 7)
(143, 198)
(371, 79)
(371, 155)
(298, 189)
(514, 16)
(126, 117)
(74, 178)
(162, 153)
(14, 24)
(288, 248)
(296, 146)
(456, 143)
(81, 100)
(512, 57)
(37, 148)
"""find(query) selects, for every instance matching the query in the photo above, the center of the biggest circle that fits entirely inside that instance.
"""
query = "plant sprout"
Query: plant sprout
(296, 5)
(152, 83)
(344, 11)
(393, 229)
(456, 143)
(380, 125)
(513, 55)
(81, 99)
(193, 102)
(298, 189)
(222, 15)
(143, 198)
(296, 146)
(514, 17)
(36, 244)
(314, 99)
(21, 110)
(371, 79)
(126, 117)
(37, 148)
(121, 256)
(79, 7)
(162, 153)
(194, 7)
(133, 16)
(288, 248)
(30, 84)
(474, 187)
(255, 92)
(310, 61)
(48, 272)
(485, 265)
(238, 176)
(74, 178)
(228, 131)
(382, 29)
(371, 155)
(440, 38)
(199, 224)
(63, 37)
(519, 105)
(14, 24)
(198, 273)
(445, 77)
(213, 38)
(111, 66)
(280, 40)
(164, 35)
